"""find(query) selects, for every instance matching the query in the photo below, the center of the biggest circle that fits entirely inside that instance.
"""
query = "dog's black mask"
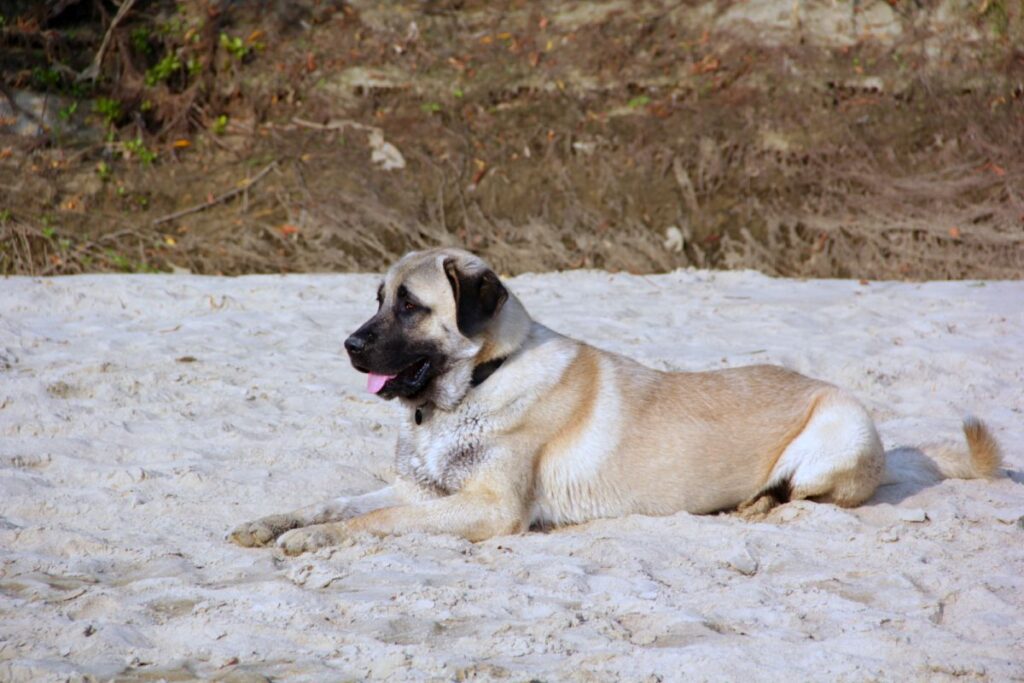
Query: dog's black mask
(386, 346)
(399, 366)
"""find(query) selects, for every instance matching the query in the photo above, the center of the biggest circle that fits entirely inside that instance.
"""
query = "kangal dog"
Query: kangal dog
(509, 424)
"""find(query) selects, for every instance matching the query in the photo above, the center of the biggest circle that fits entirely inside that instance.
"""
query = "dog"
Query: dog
(509, 424)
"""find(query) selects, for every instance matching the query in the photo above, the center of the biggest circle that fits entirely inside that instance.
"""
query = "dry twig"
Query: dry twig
(216, 200)
(93, 71)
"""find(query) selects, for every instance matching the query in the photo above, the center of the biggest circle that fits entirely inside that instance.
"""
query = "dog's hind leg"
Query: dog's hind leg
(837, 457)
(765, 501)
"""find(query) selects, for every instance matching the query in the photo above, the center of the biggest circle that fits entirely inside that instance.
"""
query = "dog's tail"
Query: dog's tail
(927, 464)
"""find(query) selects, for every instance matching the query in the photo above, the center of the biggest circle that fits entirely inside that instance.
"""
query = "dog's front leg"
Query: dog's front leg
(475, 513)
(264, 530)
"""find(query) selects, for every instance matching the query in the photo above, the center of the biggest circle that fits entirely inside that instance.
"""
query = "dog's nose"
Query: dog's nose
(356, 344)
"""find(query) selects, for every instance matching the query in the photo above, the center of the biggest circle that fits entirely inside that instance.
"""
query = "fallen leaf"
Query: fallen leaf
(659, 110)
(481, 171)
(994, 167)
(170, 241)
(182, 143)
(954, 232)
(288, 229)
(707, 65)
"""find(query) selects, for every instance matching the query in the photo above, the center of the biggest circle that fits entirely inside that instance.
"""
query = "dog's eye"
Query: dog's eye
(409, 307)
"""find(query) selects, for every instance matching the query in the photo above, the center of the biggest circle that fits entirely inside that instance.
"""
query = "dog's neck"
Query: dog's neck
(506, 333)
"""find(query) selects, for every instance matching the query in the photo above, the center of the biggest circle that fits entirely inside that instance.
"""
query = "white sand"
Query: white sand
(122, 467)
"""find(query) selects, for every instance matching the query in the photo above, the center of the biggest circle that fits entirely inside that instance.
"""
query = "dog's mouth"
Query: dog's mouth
(407, 382)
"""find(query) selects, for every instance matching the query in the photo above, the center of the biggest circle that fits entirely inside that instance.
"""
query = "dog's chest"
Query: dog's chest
(442, 450)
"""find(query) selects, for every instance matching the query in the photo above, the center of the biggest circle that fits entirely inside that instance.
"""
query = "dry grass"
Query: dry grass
(652, 123)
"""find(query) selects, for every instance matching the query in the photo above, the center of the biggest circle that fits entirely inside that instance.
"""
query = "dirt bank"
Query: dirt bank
(882, 141)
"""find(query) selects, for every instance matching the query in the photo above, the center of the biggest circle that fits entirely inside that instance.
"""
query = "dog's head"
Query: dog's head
(439, 315)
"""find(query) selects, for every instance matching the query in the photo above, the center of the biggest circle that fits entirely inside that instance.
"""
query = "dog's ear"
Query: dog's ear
(478, 297)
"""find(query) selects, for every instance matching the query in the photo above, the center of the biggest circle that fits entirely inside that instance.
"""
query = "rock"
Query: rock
(743, 562)
(789, 512)
(673, 239)
(242, 676)
(1010, 516)
(30, 114)
(915, 515)
(890, 535)
(383, 153)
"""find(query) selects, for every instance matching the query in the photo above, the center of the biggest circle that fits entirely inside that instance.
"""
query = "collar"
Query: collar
(485, 370)
(480, 373)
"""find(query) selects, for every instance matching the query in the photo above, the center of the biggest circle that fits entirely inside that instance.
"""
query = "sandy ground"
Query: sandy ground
(144, 416)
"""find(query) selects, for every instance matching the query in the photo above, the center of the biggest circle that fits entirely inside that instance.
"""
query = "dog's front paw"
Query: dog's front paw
(264, 530)
(310, 538)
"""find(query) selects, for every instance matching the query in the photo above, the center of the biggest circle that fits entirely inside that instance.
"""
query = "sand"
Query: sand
(142, 417)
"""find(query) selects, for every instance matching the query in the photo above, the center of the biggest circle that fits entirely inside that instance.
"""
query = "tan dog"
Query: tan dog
(510, 424)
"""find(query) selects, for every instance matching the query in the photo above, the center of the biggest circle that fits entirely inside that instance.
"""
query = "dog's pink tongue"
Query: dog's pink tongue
(374, 383)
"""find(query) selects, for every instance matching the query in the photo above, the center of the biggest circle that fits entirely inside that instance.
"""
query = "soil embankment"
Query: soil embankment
(865, 139)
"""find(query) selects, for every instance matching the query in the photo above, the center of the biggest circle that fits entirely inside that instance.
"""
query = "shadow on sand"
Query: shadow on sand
(914, 472)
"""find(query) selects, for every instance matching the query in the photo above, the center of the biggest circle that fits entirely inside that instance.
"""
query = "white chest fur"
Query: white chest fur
(444, 448)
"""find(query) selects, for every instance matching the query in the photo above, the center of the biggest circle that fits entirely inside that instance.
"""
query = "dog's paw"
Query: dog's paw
(262, 531)
(310, 538)
(757, 509)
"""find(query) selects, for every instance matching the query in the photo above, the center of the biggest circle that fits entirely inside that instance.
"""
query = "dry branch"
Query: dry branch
(93, 71)
(216, 200)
